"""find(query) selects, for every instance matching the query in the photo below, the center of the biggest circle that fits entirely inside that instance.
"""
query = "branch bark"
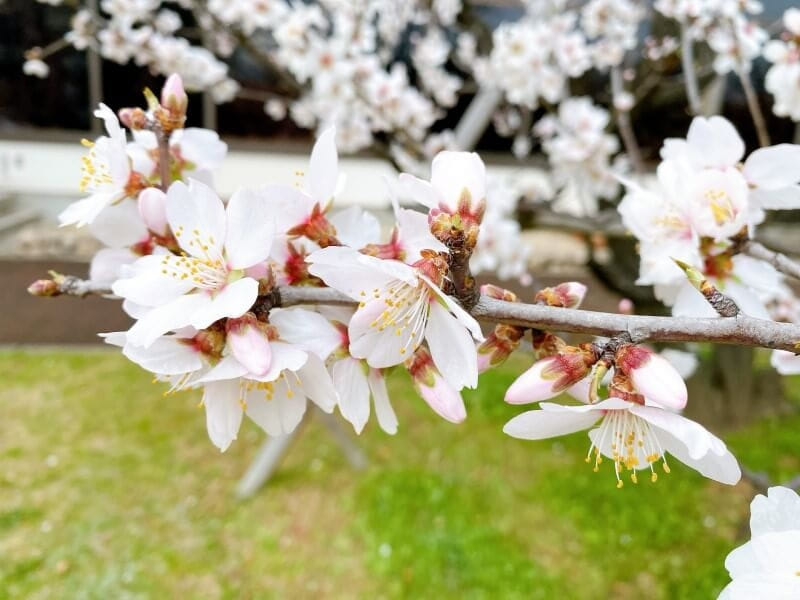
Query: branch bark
(741, 330)
(781, 262)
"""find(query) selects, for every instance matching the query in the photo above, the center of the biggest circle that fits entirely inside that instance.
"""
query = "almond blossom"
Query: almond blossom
(107, 174)
(354, 380)
(783, 77)
(209, 280)
(400, 306)
(633, 436)
(768, 566)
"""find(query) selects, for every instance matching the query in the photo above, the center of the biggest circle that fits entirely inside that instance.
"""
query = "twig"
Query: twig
(689, 74)
(754, 107)
(163, 158)
(781, 262)
(624, 122)
(741, 330)
(762, 481)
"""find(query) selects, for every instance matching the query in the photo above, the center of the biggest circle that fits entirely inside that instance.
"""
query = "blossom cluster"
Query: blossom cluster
(703, 202)
(208, 283)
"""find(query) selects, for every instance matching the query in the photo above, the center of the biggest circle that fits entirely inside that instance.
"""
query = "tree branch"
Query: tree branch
(741, 330)
(689, 74)
(781, 262)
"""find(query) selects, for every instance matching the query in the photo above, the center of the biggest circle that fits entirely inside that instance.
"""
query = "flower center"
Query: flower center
(206, 270)
(721, 206)
(406, 310)
(631, 443)
(286, 385)
(95, 171)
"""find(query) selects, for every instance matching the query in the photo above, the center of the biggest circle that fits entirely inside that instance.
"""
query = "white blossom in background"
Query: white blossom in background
(768, 566)
(702, 197)
(532, 59)
(580, 152)
(611, 25)
(783, 77)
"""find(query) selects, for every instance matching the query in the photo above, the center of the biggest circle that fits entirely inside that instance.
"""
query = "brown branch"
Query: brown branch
(741, 330)
(781, 262)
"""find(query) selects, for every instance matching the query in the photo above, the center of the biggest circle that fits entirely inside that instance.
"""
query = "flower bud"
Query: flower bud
(173, 96)
(652, 376)
(249, 344)
(134, 119)
(44, 288)
(625, 306)
(429, 383)
(153, 209)
(564, 295)
(498, 346)
(550, 376)
(443, 399)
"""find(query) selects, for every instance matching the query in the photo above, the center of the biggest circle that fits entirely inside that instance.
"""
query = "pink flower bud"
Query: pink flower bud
(565, 295)
(550, 376)
(652, 376)
(625, 306)
(173, 96)
(249, 344)
(443, 399)
(134, 119)
(44, 288)
(430, 384)
(153, 209)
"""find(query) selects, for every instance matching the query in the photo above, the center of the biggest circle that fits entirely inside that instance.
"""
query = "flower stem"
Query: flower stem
(754, 107)
(689, 74)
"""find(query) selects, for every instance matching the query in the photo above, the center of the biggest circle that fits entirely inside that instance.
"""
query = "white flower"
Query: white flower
(768, 566)
(106, 173)
(457, 185)
(633, 436)
(276, 401)
(400, 305)
(354, 380)
(209, 281)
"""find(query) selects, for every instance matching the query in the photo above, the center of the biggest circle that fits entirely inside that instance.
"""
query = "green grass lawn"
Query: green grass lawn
(109, 490)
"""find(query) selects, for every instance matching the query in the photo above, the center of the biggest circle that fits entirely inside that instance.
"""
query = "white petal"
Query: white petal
(168, 317)
(323, 167)
(787, 198)
(774, 167)
(106, 264)
(278, 415)
(715, 142)
(85, 211)
(290, 205)
(166, 356)
(719, 467)
(383, 408)
(785, 363)
(223, 412)
(308, 329)
(418, 190)
(285, 357)
(466, 319)
(119, 225)
(352, 273)
(317, 384)
(226, 369)
(350, 380)
(452, 348)
(542, 424)
(355, 227)
(778, 511)
(415, 234)
(234, 300)
(696, 438)
(201, 147)
(383, 348)
(198, 214)
(250, 228)
(454, 172)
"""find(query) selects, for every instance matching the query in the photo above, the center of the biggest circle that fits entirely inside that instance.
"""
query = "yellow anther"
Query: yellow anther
(619, 484)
